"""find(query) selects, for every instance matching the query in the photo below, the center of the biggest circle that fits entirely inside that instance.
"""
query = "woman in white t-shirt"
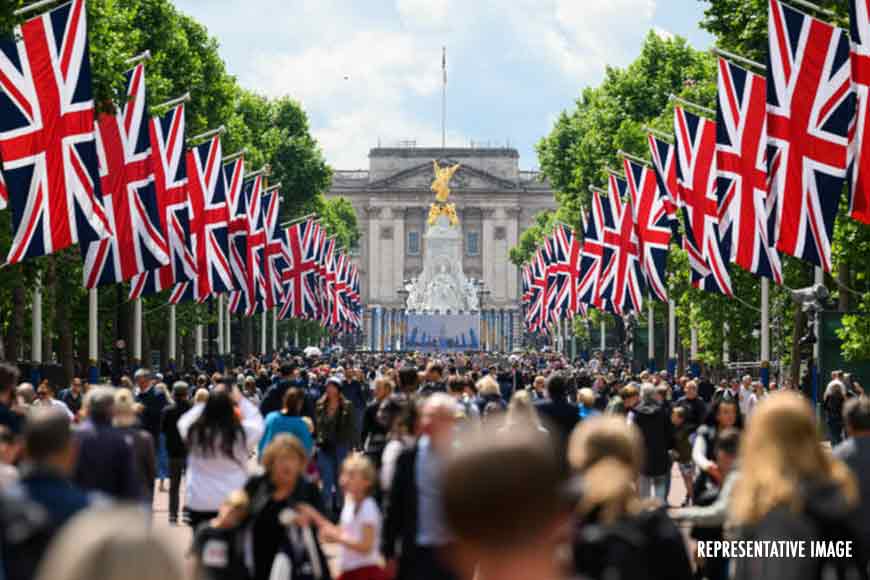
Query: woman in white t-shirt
(359, 528)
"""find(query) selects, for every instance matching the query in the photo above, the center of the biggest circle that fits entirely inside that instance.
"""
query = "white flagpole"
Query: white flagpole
(651, 335)
(274, 329)
(36, 344)
(765, 330)
(173, 345)
(198, 339)
(672, 337)
(229, 332)
(137, 332)
(726, 346)
(220, 325)
(693, 345)
(603, 335)
(819, 278)
(263, 331)
(93, 335)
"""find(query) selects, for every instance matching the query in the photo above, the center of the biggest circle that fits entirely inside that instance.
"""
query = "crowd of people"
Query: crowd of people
(419, 466)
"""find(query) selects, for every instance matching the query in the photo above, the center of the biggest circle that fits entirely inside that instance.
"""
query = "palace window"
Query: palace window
(413, 243)
(472, 244)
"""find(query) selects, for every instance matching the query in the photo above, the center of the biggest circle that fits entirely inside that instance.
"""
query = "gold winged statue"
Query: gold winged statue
(441, 187)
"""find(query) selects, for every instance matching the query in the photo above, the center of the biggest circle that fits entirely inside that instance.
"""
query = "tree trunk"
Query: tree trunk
(844, 277)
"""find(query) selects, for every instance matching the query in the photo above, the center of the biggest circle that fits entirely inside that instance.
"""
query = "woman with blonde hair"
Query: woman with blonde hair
(617, 534)
(126, 421)
(791, 488)
(521, 413)
(111, 544)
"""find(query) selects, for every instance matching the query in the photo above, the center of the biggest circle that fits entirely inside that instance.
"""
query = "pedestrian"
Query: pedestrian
(218, 550)
(400, 416)
(106, 462)
(275, 516)
(374, 433)
(586, 407)
(833, 401)
(125, 419)
(359, 529)
(505, 503)
(855, 452)
(790, 489)
(658, 438)
(724, 414)
(334, 424)
(557, 412)
(111, 544)
(682, 451)
(175, 445)
(72, 396)
(47, 468)
(521, 413)
(288, 420)
(219, 442)
(9, 375)
(45, 397)
(615, 533)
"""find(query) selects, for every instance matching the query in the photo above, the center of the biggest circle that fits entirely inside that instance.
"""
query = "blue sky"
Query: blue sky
(371, 71)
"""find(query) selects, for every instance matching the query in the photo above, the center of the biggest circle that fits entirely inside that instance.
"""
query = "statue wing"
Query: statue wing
(453, 170)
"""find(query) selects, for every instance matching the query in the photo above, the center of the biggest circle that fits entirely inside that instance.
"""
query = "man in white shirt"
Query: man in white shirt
(45, 398)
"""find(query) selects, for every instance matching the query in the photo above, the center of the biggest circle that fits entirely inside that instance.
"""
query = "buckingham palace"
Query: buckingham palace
(495, 201)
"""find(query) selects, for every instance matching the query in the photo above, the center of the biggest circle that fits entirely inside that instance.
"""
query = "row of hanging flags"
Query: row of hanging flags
(761, 179)
(142, 206)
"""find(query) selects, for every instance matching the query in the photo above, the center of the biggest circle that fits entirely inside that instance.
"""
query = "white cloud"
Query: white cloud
(425, 14)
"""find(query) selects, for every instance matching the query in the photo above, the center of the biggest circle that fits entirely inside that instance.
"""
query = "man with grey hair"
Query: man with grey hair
(105, 461)
(415, 533)
(655, 425)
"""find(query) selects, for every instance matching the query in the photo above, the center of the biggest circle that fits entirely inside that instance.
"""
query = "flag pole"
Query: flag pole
(299, 219)
(683, 101)
(142, 56)
(137, 332)
(207, 135)
(93, 336)
(272, 188)
(36, 342)
(443, 97)
(34, 7)
(220, 326)
(597, 190)
(660, 134)
(651, 335)
(765, 330)
(634, 158)
(265, 171)
(737, 58)
(811, 6)
(171, 103)
(235, 155)
(172, 337)
(672, 338)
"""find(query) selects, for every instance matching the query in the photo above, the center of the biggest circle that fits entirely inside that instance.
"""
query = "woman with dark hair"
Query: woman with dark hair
(335, 436)
(219, 442)
(724, 414)
(288, 420)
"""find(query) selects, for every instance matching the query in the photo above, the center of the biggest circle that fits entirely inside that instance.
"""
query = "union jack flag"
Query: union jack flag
(537, 312)
(810, 106)
(555, 282)
(696, 179)
(567, 268)
(526, 280)
(591, 256)
(624, 275)
(651, 224)
(859, 145)
(209, 218)
(47, 138)
(328, 281)
(252, 246)
(341, 313)
(238, 226)
(4, 193)
(741, 164)
(170, 183)
(612, 210)
(129, 196)
(300, 300)
(273, 255)
(664, 160)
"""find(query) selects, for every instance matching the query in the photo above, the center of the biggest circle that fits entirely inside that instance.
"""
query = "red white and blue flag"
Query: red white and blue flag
(567, 268)
(536, 314)
(624, 276)
(273, 255)
(698, 198)
(859, 146)
(238, 225)
(741, 166)
(47, 136)
(299, 275)
(592, 256)
(170, 183)
(664, 160)
(209, 219)
(651, 224)
(605, 299)
(810, 106)
(128, 194)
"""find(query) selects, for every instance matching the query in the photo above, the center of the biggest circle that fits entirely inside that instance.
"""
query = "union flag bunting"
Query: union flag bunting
(47, 139)
(300, 300)
(810, 106)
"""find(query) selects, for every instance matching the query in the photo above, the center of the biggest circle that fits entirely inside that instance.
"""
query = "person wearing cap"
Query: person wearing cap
(335, 436)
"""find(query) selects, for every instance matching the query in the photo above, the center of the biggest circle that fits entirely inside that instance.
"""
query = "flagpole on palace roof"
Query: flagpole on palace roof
(444, 97)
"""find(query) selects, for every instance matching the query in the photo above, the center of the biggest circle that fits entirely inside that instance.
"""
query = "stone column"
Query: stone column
(373, 248)
(487, 251)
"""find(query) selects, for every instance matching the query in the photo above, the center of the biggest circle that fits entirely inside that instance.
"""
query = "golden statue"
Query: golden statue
(441, 187)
